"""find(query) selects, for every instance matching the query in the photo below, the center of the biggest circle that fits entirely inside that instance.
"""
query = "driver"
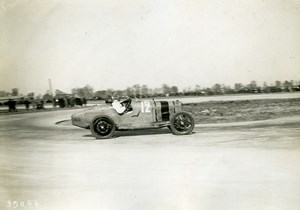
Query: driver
(121, 106)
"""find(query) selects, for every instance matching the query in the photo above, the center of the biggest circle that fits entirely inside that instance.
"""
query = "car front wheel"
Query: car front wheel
(182, 123)
(102, 127)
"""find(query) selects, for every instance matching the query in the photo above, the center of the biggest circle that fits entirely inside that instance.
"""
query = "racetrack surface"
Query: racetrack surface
(250, 165)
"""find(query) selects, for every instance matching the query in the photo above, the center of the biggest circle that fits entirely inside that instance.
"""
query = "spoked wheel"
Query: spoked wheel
(103, 127)
(182, 123)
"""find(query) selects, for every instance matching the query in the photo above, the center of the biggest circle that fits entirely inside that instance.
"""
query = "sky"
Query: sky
(119, 43)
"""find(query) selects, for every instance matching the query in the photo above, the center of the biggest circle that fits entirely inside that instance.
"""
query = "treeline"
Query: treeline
(143, 91)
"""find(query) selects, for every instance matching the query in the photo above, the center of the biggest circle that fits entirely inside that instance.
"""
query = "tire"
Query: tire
(103, 127)
(182, 123)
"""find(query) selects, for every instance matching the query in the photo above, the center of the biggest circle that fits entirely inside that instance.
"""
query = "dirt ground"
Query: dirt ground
(45, 166)
(243, 110)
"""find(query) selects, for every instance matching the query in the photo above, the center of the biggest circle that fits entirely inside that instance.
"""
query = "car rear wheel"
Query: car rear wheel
(182, 123)
(102, 127)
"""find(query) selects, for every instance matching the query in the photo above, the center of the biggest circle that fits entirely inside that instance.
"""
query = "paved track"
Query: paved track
(229, 166)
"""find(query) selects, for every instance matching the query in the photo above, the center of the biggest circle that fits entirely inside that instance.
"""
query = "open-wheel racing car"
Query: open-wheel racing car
(103, 120)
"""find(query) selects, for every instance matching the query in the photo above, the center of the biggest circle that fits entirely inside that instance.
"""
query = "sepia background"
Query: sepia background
(116, 44)
(234, 65)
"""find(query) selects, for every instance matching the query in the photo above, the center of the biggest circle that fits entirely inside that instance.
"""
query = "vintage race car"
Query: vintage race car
(103, 120)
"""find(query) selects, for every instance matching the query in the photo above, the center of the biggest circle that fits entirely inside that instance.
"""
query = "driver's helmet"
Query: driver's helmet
(115, 96)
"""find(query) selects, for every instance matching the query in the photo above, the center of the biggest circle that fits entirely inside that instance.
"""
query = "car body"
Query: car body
(103, 119)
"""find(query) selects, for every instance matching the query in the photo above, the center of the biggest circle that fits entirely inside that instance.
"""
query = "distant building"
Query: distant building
(2, 93)
(15, 92)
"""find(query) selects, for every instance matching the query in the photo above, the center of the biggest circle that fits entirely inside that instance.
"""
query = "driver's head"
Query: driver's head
(115, 96)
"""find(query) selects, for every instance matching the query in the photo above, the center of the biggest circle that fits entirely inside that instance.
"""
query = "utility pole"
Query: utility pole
(51, 93)
(50, 88)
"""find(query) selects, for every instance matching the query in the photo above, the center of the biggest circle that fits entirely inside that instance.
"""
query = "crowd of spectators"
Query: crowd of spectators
(12, 105)
(38, 103)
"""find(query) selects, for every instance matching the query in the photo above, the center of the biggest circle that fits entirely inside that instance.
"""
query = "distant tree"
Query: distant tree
(86, 91)
(197, 90)
(288, 86)
(266, 88)
(174, 90)
(101, 94)
(227, 89)
(157, 92)
(238, 87)
(208, 91)
(297, 86)
(137, 90)
(47, 97)
(278, 86)
(217, 88)
(151, 92)
(130, 92)
(145, 91)
(253, 87)
(166, 89)
(110, 92)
